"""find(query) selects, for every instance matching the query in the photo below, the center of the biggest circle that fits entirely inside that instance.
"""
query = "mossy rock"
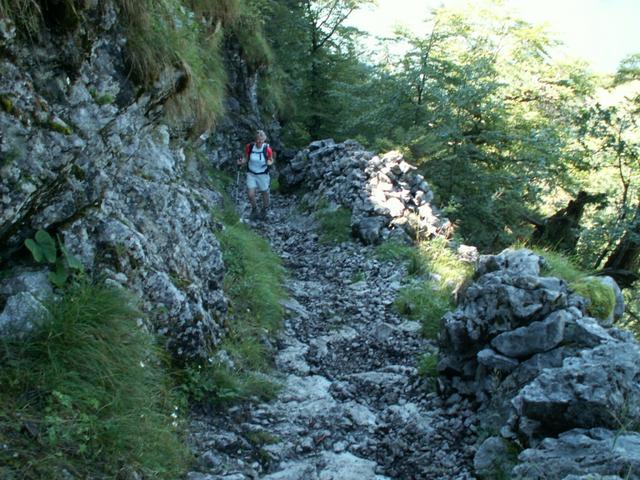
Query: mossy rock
(601, 298)
(7, 104)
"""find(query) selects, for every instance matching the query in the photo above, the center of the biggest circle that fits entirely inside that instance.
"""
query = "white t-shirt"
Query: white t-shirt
(258, 159)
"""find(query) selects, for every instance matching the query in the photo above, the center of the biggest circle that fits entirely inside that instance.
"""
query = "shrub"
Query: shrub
(91, 388)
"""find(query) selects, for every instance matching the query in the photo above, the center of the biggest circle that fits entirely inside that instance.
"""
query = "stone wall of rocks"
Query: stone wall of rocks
(548, 379)
(86, 156)
(386, 195)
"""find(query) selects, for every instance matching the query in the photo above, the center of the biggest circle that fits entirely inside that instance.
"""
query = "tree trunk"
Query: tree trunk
(560, 231)
(622, 264)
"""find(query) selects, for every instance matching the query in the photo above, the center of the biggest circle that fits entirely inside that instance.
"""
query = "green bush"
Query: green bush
(88, 393)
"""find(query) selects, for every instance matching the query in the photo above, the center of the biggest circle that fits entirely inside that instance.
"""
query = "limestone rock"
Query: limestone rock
(582, 452)
(599, 388)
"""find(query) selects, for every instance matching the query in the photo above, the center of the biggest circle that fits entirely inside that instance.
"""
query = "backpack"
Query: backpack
(263, 155)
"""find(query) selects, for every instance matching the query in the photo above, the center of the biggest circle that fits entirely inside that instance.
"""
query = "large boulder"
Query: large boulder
(582, 452)
(598, 388)
(524, 349)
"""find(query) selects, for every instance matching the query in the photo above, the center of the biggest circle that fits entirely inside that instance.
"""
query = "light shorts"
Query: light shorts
(259, 182)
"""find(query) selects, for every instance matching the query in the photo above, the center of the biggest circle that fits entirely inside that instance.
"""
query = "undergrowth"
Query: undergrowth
(88, 394)
(166, 35)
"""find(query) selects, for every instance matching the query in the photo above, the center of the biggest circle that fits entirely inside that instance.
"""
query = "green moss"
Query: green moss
(11, 156)
(261, 437)
(602, 299)
(101, 98)
(60, 127)
(7, 104)
(92, 388)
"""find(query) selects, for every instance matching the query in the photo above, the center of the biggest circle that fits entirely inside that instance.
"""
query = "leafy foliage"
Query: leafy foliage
(44, 249)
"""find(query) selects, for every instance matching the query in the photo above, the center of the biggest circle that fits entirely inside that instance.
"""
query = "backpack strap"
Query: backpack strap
(264, 157)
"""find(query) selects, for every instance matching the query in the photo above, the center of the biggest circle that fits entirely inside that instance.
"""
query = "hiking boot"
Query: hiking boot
(254, 215)
(264, 213)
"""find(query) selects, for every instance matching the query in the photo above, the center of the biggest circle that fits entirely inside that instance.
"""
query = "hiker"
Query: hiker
(258, 156)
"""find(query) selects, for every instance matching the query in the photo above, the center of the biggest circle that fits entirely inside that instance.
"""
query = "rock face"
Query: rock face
(88, 159)
(387, 197)
(522, 347)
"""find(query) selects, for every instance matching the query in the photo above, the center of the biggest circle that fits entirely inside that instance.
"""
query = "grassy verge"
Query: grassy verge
(436, 273)
(253, 285)
(601, 298)
(88, 394)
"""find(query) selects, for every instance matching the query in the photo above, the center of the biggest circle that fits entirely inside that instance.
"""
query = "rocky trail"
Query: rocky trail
(352, 406)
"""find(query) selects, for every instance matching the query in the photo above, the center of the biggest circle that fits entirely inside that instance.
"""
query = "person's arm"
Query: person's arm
(269, 156)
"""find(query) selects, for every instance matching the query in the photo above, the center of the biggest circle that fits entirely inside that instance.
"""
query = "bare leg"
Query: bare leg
(265, 199)
(251, 193)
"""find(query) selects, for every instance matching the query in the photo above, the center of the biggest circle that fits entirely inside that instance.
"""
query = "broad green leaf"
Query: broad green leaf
(35, 250)
(47, 244)
(60, 276)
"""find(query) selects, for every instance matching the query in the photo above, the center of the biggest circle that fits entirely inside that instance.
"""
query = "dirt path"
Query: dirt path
(352, 406)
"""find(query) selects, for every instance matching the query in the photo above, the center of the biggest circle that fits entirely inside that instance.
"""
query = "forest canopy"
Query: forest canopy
(518, 146)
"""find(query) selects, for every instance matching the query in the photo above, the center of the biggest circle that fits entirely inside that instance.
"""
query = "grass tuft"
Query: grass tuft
(88, 394)
(426, 303)
(560, 266)
(427, 299)
(335, 225)
(602, 299)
